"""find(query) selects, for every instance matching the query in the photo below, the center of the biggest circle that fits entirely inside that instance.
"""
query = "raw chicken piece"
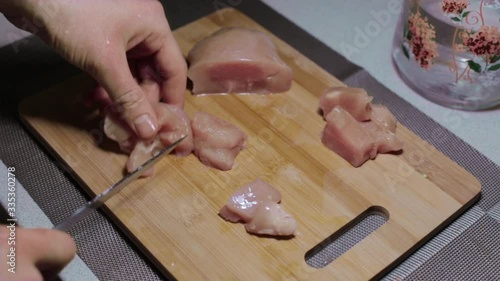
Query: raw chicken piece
(127, 145)
(229, 215)
(271, 219)
(243, 203)
(385, 140)
(383, 127)
(383, 117)
(237, 60)
(354, 100)
(141, 153)
(116, 129)
(216, 141)
(348, 138)
(256, 204)
(174, 123)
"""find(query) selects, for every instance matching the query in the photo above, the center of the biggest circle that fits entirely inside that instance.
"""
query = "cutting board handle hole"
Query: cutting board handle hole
(346, 237)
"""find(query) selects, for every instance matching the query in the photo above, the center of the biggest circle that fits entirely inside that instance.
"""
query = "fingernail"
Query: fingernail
(144, 126)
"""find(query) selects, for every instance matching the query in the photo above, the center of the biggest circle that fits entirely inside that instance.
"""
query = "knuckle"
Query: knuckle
(129, 99)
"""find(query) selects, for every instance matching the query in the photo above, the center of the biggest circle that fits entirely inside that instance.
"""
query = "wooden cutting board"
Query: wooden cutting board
(173, 216)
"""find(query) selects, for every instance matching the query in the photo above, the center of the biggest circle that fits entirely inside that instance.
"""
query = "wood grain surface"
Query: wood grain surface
(173, 216)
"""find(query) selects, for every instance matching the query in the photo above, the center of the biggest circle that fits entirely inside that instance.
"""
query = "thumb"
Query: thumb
(48, 250)
(129, 100)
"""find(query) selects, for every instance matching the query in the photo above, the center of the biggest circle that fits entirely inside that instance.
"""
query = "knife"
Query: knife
(87, 209)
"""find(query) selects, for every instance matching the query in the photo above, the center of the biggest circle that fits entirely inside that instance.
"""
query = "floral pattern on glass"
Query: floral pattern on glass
(483, 43)
(454, 6)
(420, 38)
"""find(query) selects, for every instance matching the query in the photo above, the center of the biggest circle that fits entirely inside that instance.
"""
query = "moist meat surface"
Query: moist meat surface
(216, 142)
(356, 101)
(174, 123)
(237, 60)
(356, 129)
(256, 205)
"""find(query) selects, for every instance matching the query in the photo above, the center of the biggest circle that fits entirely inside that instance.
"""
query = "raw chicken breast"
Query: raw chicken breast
(174, 123)
(383, 127)
(256, 204)
(237, 60)
(385, 140)
(141, 153)
(116, 129)
(243, 203)
(271, 219)
(383, 117)
(354, 100)
(347, 137)
(229, 215)
(216, 141)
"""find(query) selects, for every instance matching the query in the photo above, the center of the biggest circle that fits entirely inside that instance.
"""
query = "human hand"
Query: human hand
(39, 253)
(116, 42)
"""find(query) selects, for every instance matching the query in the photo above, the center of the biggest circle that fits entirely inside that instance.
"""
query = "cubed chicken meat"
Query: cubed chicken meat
(243, 203)
(271, 219)
(216, 141)
(382, 126)
(174, 124)
(357, 139)
(383, 117)
(385, 140)
(347, 137)
(354, 100)
(237, 60)
(256, 205)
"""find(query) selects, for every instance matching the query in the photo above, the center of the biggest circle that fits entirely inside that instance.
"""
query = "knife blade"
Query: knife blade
(87, 209)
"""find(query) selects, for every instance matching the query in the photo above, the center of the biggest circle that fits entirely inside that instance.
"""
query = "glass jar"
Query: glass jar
(449, 51)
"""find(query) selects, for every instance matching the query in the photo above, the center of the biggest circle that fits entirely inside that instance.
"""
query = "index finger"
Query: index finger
(172, 68)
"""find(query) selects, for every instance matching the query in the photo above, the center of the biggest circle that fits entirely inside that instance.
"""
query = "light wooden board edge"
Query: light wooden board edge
(427, 238)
